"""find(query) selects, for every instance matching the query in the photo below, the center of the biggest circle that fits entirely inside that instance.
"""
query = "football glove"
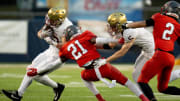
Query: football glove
(99, 63)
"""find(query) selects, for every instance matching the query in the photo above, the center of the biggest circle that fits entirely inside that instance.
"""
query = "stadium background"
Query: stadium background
(21, 19)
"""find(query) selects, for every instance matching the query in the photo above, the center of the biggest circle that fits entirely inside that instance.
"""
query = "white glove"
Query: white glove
(109, 84)
(50, 41)
(99, 63)
(46, 33)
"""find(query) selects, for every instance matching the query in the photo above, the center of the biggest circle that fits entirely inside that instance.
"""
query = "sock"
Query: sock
(143, 97)
(134, 88)
(99, 97)
(24, 84)
(91, 87)
(174, 75)
(147, 91)
(172, 90)
(46, 81)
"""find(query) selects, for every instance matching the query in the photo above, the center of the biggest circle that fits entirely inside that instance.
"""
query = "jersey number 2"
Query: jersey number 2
(75, 52)
(169, 31)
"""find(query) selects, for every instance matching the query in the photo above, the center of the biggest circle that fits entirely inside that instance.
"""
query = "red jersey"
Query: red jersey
(80, 49)
(166, 31)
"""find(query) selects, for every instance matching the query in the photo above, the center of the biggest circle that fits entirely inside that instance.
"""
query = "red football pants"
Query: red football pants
(161, 64)
(107, 71)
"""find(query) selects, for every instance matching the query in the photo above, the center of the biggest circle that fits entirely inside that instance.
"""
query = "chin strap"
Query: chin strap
(109, 84)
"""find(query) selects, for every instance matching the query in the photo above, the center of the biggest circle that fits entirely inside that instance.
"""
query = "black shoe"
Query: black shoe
(13, 95)
(58, 91)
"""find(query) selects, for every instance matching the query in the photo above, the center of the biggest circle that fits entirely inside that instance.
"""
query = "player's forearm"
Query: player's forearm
(118, 54)
(136, 24)
(122, 51)
(39, 34)
(100, 40)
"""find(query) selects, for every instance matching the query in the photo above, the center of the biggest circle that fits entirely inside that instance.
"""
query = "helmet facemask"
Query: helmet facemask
(71, 31)
(171, 8)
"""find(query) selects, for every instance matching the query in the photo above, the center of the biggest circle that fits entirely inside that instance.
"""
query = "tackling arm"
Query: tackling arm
(148, 22)
(101, 40)
(136, 24)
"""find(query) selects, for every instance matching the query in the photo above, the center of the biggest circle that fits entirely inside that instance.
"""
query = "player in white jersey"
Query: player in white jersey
(129, 37)
(47, 61)
(140, 37)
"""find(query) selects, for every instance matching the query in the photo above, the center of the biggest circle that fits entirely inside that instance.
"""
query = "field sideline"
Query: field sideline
(12, 74)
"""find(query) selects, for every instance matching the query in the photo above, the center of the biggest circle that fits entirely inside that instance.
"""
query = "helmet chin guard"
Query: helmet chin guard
(70, 31)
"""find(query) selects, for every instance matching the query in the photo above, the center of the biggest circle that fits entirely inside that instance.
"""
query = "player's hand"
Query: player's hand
(46, 33)
(121, 41)
(31, 71)
(59, 45)
(99, 63)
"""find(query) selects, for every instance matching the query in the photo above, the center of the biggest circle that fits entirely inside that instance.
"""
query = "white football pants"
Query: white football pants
(45, 63)
(139, 63)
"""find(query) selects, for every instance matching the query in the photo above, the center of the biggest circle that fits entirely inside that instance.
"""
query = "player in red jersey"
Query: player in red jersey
(166, 31)
(81, 48)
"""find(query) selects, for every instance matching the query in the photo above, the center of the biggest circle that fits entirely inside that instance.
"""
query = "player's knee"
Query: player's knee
(83, 74)
(161, 89)
(135, 76)
(31, 71)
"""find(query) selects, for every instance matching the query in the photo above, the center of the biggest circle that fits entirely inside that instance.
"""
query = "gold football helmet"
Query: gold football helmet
(57, 15)
(116, 20)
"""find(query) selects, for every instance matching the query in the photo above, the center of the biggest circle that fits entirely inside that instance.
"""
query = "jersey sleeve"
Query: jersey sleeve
(154, 16)
(129, 34)
(47, 21)
(89, 35)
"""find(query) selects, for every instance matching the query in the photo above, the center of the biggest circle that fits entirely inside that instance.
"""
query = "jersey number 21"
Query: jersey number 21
(75, 52)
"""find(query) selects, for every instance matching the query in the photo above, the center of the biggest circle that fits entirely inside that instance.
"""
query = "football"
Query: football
(47, 27)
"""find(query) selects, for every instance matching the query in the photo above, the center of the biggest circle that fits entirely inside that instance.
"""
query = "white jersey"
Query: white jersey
(144, 38)
(49, 60)
(58, 31)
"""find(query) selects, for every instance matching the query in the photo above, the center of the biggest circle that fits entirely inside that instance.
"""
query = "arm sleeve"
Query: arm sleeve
(89, 35)
(101, 40)
(106, 46)
(178, 41)
(129, 34)
(50, 41)
(150, 22)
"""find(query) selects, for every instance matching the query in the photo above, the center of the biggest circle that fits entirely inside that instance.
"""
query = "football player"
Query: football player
(81, 48)
(52, 32)
(139, 36)
(166, 31)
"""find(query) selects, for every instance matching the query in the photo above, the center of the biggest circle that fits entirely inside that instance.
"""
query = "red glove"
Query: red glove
(121, 41)
(31, 71)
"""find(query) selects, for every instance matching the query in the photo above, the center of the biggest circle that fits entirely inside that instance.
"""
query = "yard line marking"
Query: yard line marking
(13, 75)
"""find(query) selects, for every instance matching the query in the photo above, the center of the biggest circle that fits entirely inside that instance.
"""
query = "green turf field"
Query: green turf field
(12, 74)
